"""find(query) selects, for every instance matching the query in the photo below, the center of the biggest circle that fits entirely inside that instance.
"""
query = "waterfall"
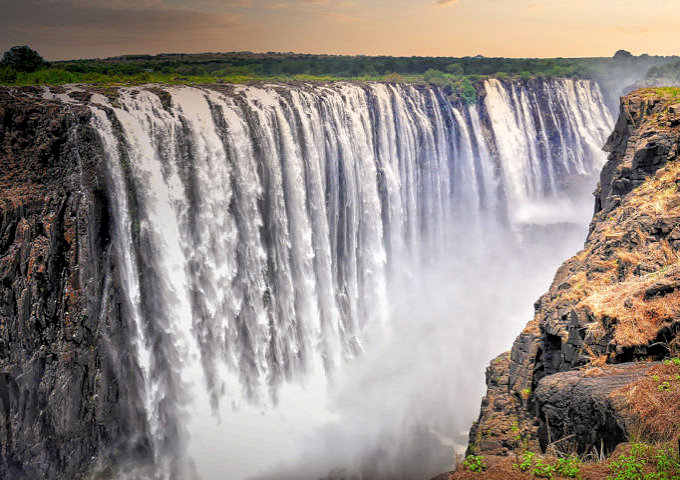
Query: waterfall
(260, 229)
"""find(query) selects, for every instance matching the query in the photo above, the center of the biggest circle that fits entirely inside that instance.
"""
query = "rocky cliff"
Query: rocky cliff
(579, 374)
(62, 401)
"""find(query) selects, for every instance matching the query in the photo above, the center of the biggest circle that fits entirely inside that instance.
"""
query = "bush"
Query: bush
(435, 77)
(526, 463)
(7, 74)
(474, 463)
(454, 69)
(393, 78)
(646, 463)
(22, 59)
(568, 467)
(466, 90)
(543, 470)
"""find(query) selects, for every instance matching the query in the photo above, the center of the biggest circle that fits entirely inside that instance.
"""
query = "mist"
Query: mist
(331, 314)
(403, 407)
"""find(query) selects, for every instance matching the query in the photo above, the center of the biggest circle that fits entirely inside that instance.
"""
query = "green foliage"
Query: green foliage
(646, 463)
(474, 463)
(435, 77)
(393, 78)
(455, 69)
(526, 463)
(623, 54)
(22, 59)
(543, 469)
(569, 467)
(7, 74)
(672, 361)
(668, 464)
(565, 467)
(627, 467)
(664, 386)
(459, 77)
(464, 88)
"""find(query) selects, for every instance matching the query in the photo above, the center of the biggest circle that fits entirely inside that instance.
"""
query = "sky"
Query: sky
(66, 29)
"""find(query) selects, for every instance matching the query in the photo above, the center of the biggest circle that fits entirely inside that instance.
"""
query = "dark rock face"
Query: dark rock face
(575, 408)
(502, 427)
(638, 147)
(614, 302)
(63, 343)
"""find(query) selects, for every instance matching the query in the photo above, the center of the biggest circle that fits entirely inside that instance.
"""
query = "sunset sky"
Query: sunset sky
(62, 29)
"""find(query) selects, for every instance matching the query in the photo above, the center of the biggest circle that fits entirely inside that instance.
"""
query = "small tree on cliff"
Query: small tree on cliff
(620, 54)
(22, 59)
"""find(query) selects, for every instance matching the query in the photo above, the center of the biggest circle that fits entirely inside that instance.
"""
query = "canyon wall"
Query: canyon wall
(611, 312)
(67, 386)
(164, 245)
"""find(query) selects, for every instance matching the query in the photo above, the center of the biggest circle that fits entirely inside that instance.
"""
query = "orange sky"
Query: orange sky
(61, 29)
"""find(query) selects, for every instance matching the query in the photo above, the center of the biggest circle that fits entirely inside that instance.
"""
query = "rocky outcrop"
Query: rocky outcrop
(585, 407)
(613, 304)
(63, 342)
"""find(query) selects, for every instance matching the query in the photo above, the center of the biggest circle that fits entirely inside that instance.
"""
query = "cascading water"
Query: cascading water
(267, 235)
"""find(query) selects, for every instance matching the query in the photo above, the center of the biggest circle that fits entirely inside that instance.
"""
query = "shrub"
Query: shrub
(474, 463)
(393, 78)
(526, 463)
(7, 74)
(543, 470)
(23, 59)
(646, 463)
(568, 467)
(436, 77)
(464, 88)
(628, 467)
(454, 69)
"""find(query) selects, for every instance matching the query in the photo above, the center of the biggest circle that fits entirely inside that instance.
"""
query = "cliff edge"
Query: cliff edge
(65, 369)
(586, 373)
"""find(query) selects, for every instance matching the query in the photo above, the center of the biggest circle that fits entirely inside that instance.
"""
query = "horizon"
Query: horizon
(79, 29)
(293, 53)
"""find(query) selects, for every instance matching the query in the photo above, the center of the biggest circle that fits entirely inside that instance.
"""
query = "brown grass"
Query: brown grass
(637, 318)
(654, 402)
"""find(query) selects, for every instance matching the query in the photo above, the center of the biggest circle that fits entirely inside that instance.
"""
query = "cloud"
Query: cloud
(339, 17)
(277, 6)
(445, 3)
(113, 25)
(633, 29)
(535, 6)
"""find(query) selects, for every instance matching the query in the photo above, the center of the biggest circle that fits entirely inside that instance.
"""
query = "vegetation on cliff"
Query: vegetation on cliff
(241, 67)
(598, 365)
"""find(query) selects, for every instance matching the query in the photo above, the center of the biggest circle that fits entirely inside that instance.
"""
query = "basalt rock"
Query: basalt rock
(62, 401)
(614, 303)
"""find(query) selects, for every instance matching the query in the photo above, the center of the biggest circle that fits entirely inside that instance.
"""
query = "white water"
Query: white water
(318, 263)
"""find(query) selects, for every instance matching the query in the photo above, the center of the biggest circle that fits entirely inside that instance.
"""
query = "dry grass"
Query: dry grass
(636, 318)
(654, 402)
(624, 259)
(659, 194)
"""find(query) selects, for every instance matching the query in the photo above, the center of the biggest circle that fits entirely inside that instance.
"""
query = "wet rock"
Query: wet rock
(64, 346)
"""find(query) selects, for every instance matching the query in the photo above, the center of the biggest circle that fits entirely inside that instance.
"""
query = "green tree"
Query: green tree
(435, 77)
(623, 54)
(22, 59)
(454, 68)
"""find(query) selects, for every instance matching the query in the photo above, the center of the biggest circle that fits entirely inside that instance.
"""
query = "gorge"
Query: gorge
(181, 265)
